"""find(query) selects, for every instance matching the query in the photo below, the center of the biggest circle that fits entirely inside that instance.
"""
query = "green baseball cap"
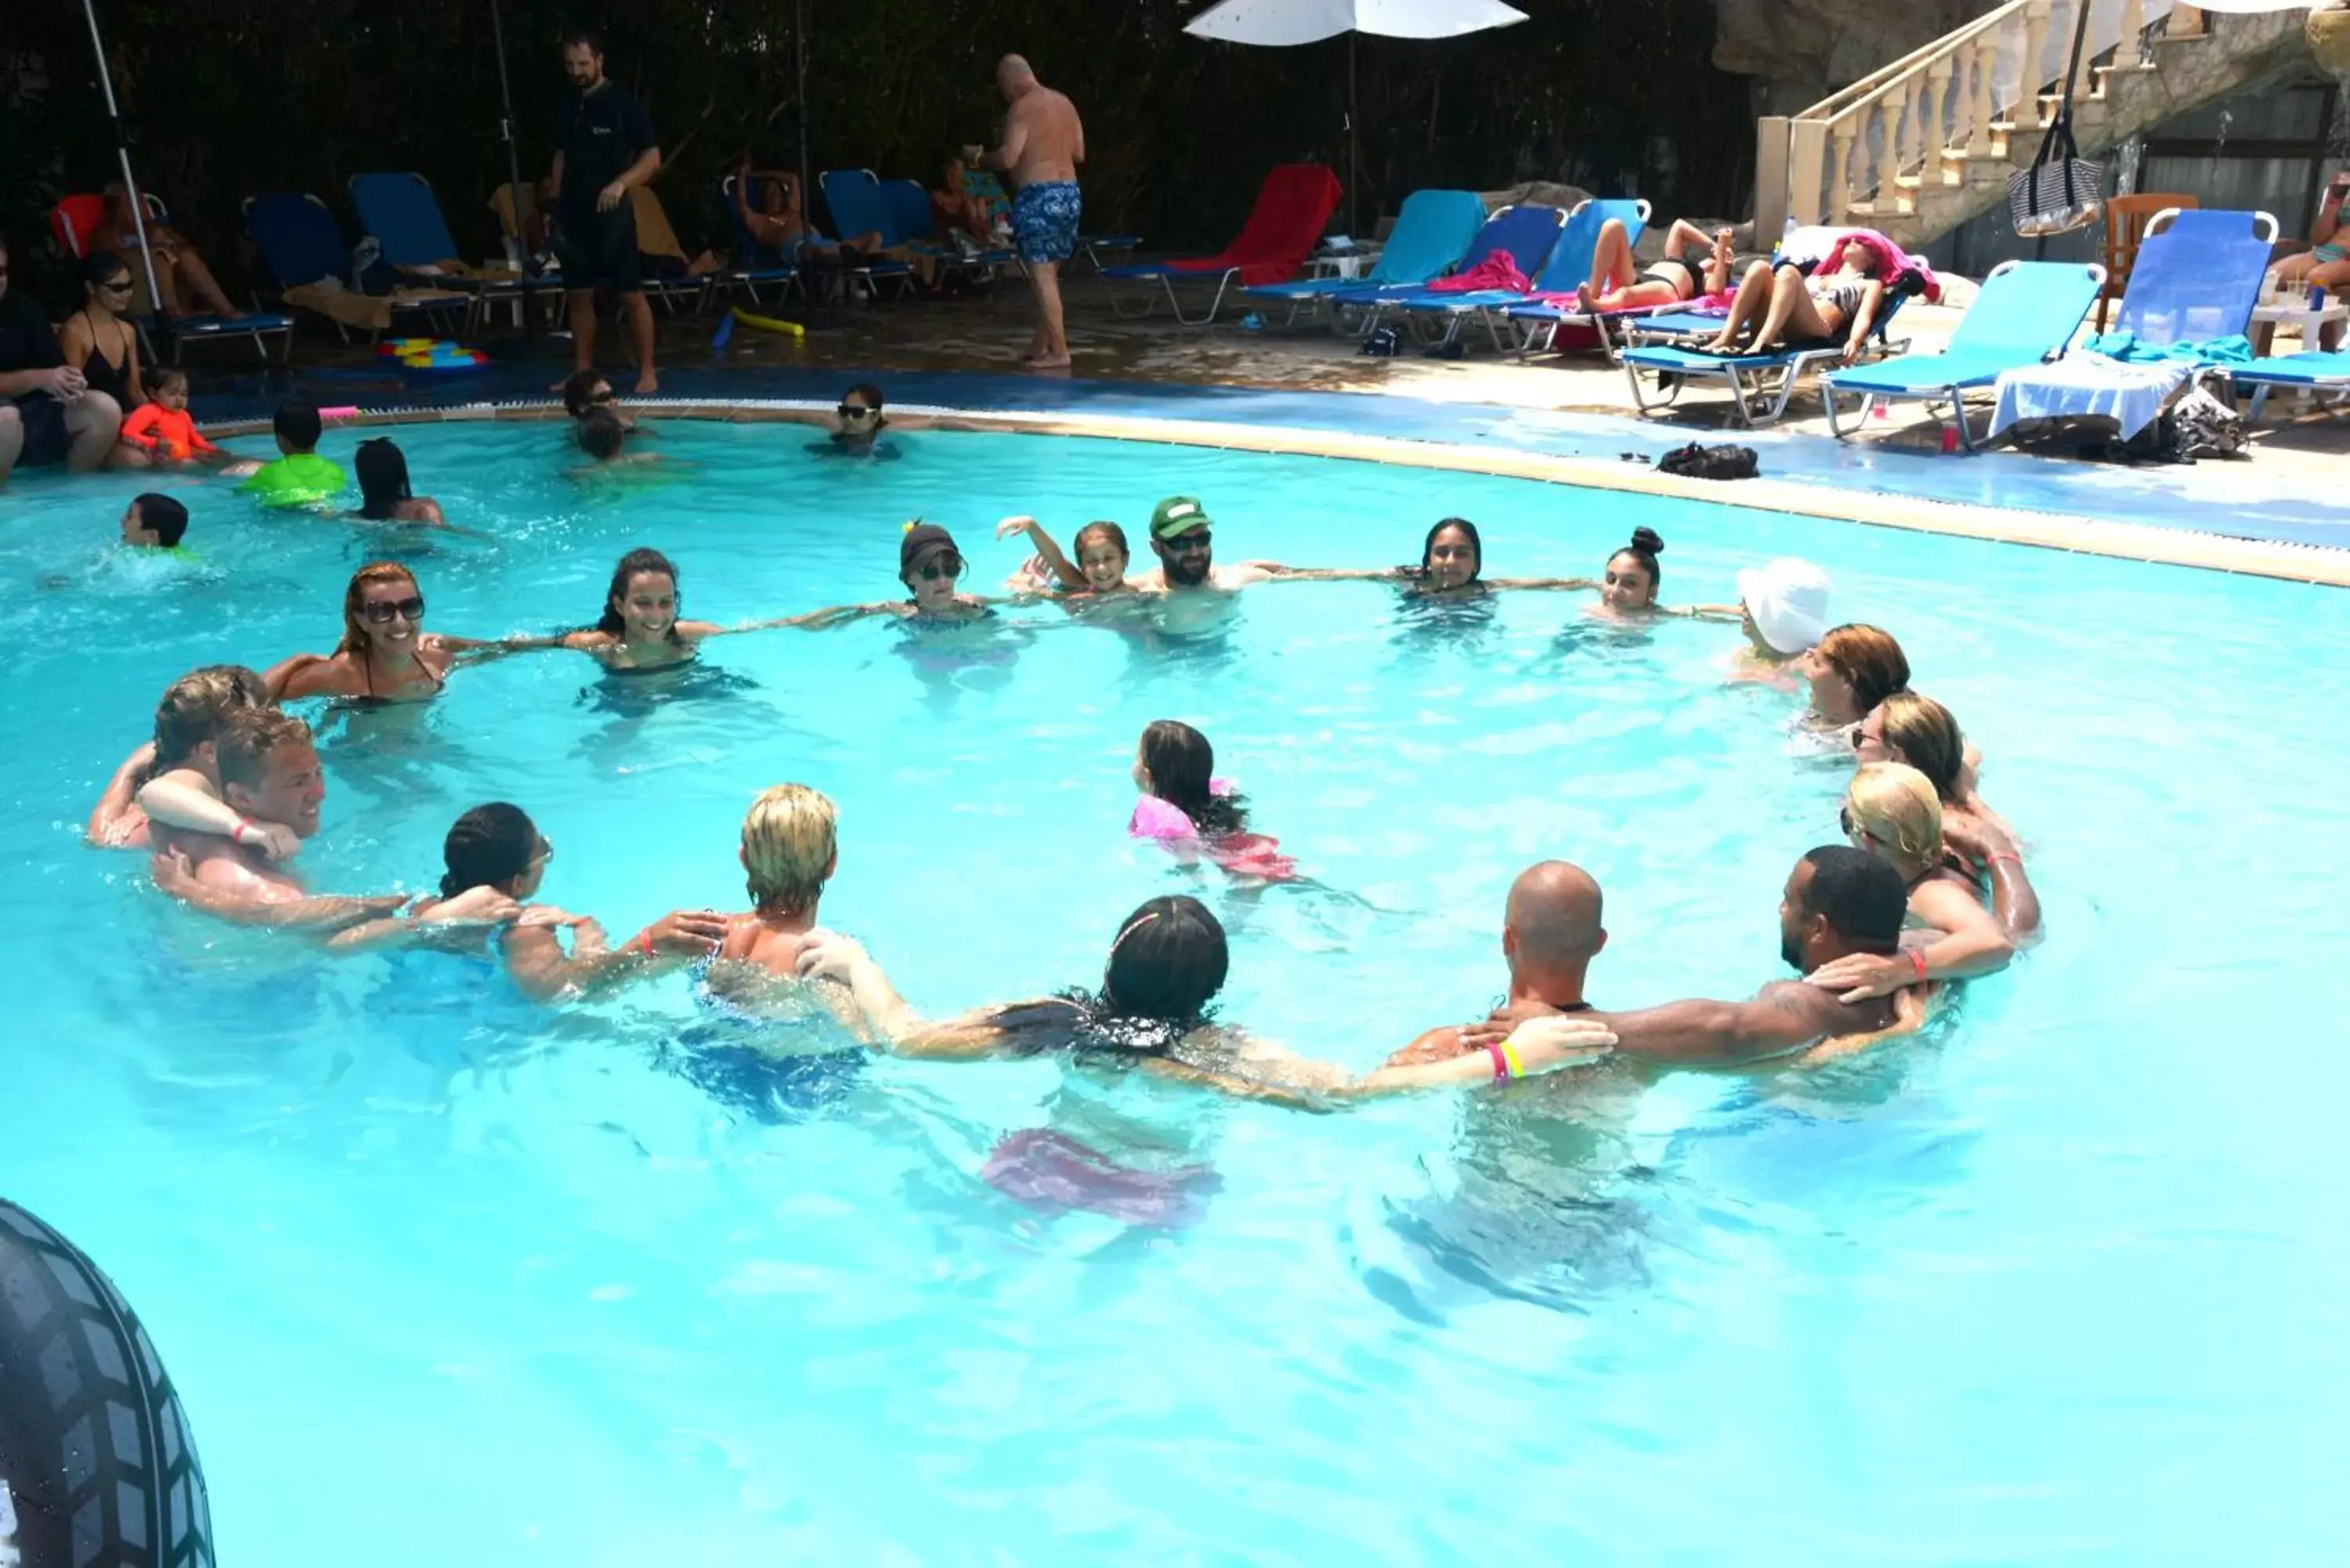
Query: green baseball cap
(1179, 515)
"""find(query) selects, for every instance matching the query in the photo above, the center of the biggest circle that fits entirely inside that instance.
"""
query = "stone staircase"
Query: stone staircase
(1921, 146)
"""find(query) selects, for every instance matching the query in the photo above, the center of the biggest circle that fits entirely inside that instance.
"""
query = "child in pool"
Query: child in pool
(162, 428)
(154, 522)
(1100, 569)
(1187, 808)
(183, 790)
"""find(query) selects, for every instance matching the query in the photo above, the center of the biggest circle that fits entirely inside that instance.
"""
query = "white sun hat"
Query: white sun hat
(1788, 598)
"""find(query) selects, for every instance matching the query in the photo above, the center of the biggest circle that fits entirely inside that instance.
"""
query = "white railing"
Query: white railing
(1931, 115)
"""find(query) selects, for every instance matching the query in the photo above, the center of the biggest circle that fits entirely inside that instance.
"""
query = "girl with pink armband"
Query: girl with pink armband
(1187, 808)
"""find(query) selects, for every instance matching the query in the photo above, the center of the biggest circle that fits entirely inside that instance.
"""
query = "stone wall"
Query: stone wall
(1800, 51)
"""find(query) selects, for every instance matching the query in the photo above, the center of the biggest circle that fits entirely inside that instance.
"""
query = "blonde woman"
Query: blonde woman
(1891, 810)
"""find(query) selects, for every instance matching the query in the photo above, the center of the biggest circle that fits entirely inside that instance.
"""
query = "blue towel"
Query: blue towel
(2233, 349)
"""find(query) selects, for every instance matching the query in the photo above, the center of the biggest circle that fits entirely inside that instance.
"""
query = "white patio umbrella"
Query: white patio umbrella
(1280, 24)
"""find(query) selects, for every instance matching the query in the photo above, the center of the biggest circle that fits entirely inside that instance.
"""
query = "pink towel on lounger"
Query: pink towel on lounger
(1497, 271)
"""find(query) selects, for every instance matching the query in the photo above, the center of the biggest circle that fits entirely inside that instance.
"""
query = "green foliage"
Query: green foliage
(235, 96)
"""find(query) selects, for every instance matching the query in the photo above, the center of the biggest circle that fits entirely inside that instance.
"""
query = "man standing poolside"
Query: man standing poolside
(1837, 900)
(1043, 142)
(603, 145)
(1182, 538)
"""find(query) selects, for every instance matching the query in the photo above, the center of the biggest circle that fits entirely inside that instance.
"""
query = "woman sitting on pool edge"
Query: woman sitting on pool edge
(494, 855)
(1168, 963)
(1100, 569)
(639, 630)
(1892, 811)
(1186, 807)
(386, 655)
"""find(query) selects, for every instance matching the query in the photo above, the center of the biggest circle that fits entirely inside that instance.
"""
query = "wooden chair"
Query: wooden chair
(2125, 221)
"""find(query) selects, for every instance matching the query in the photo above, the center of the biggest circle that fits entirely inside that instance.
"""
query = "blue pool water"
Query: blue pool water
(2063, 1281)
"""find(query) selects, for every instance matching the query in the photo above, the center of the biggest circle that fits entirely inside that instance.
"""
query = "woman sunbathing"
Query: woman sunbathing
(1684, 273)
(1840, 299)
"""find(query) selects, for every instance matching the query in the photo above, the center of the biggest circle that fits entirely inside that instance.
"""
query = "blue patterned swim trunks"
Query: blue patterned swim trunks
(1045, 221)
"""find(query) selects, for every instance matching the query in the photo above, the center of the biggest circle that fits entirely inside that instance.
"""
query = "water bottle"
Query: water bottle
(2317, 298)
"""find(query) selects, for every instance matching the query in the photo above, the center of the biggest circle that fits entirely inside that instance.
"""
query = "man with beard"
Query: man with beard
(1180, 537)
(1837, 900)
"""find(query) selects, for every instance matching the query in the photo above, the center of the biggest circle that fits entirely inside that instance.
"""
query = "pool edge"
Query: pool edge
(2316, 565)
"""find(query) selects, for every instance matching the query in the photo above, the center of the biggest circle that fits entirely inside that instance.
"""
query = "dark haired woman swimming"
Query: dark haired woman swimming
(1165, 967)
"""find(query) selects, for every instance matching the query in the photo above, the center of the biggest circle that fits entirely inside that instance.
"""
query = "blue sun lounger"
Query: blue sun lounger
(2025, 315)
(1432, 232)
(299, 242)
(402, 213)
(2316, 371)
(1565, 268)
(854, 198)
(1526, 234)
(1760, 384)
(907, 205)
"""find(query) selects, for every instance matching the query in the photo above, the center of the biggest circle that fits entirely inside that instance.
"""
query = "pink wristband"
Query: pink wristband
(1917, 957)
(1501, 1062)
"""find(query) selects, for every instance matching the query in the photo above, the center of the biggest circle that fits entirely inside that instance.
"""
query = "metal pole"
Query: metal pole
(799, 42)
(515, 190)
(123, 151)
(1354, 151)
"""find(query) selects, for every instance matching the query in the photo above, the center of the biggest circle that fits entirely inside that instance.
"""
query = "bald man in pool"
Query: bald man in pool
(1837, 900)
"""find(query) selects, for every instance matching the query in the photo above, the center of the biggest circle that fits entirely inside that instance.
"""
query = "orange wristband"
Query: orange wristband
(1917, 957)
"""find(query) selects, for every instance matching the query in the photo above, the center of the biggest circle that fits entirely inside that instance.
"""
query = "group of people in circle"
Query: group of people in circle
(1928, 888)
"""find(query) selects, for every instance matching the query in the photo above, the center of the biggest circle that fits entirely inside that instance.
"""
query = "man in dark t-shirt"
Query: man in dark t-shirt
(48, 412)
(603, 145)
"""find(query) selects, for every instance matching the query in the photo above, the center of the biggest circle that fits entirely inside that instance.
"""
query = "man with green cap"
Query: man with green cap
(1182, 536)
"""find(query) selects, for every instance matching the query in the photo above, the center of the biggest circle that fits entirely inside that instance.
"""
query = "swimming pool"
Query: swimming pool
(2060, 1281)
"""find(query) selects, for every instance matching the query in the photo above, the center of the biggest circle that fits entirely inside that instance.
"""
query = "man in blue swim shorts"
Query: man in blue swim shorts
(1043, 142)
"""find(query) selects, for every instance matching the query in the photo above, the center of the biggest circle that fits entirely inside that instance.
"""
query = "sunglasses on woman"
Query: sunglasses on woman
(949, 569)
(855, 411)
(380, 612)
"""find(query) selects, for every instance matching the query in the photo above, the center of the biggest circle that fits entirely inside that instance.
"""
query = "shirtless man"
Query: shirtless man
(269, 772)
(1834, 903)
(1180, 537)
(1043, 142)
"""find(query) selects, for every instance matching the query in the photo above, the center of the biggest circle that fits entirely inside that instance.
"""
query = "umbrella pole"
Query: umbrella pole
(122, 152)
(1354, 144)
(799, 43)
(515, 188)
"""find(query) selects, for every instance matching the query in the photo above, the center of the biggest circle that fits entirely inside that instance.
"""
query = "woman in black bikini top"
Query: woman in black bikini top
(386, 655)
(96, 341)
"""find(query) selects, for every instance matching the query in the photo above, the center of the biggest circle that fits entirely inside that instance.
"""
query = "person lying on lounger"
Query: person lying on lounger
(1692, 265)
(1839, 300)
(776, 224)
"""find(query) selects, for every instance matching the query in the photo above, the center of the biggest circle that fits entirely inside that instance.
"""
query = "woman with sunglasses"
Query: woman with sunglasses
(857, 424)
(929, 564)
(496, 859)
(99, 343)
(1892, 811)
(386, 655)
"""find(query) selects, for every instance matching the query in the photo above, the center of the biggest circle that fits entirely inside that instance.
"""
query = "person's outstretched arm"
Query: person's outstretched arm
(1972, 943)
(1063, 570)
(108, 819)
(1784, 1016)
(174, 876)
